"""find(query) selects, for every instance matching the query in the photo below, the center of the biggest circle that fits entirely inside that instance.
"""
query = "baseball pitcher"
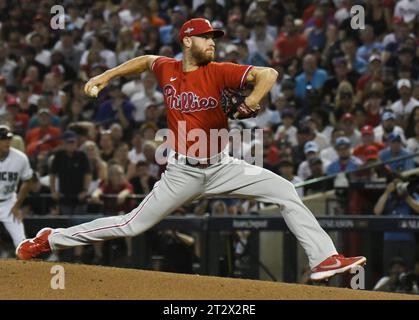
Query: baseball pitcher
(201, 94)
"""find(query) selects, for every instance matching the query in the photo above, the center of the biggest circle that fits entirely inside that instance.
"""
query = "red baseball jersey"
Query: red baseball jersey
(195, 98)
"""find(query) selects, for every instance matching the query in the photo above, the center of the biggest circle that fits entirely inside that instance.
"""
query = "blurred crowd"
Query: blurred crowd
(345, 97)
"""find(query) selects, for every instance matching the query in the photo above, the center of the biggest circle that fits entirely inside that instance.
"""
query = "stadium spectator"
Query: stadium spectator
(287, 132)
(387, 127)
(369, 45)
(20, 119)
(340, 75)
(404, 106)
(106, 145)
(345, 162)
(43, 138)
(149, 95)
(126, 47)
(395, 150)
(312, 78)
(329, 154)
(8, 67)
(99, 168)
(38, 201)
(367, 140)
(311, 150)
(391, 282)
(116, 109)
(289, 44)
(121, 157)
(349, 49)
(142, 181)
(347, 124)
(412, 144)
(317, 171)
(321, 140)
(70, 177)
(397, 201)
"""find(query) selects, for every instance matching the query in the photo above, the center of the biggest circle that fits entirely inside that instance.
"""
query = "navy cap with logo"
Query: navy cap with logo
(5, 132)
(69, 136)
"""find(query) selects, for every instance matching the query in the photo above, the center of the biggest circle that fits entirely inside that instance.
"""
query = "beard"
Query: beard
(200, 56)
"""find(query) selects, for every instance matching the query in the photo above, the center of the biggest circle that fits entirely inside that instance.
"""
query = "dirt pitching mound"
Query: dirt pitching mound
(32, 280)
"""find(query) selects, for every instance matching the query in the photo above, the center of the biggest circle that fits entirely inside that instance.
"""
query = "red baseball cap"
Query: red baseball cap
(371, 153)
(347, 116)
(11, 101)
(367, 130)
(197, 26)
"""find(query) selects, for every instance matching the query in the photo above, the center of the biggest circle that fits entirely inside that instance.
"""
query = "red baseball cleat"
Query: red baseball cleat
(31, 248)
(334, 265)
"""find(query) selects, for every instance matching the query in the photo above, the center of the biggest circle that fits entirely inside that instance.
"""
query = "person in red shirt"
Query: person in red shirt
(289, 45)
(362, 151)
(192, 95)
(43, 138)
(114, 193)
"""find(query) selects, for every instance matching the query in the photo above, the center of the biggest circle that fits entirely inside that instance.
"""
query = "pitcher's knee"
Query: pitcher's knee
(282, 188)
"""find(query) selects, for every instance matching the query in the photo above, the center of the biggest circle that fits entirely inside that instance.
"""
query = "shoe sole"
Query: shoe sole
(24, 241)
(323, 275)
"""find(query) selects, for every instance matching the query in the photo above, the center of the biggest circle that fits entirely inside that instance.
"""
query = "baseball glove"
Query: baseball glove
(233, 104)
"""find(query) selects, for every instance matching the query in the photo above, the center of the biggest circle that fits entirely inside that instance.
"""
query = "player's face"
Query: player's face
(5, 145)
(203, 48)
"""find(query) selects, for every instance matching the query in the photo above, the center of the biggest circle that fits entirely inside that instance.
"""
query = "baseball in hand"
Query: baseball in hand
(94, 91)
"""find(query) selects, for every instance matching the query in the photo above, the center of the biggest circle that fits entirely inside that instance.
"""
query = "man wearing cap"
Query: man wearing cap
(42, 138)
(318, 170)
(14, 167)
(345, 162)
(72, 169)
(192, 95)
(347, 122)
(311, 150)
(368, 140)
(394, 150)
(330, 154)
(388, 126)
(404, 106)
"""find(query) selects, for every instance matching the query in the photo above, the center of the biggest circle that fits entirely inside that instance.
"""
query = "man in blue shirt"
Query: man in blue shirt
(312, 78)
(345, 162)
(369, 45)
(397, 202)
(396, 150)
(116, 109)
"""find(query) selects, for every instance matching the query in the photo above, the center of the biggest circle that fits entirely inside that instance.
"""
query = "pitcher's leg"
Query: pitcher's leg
(176, 187)
(242, 179)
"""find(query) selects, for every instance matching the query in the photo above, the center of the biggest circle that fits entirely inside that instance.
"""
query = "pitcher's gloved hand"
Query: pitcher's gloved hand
(233, 104)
